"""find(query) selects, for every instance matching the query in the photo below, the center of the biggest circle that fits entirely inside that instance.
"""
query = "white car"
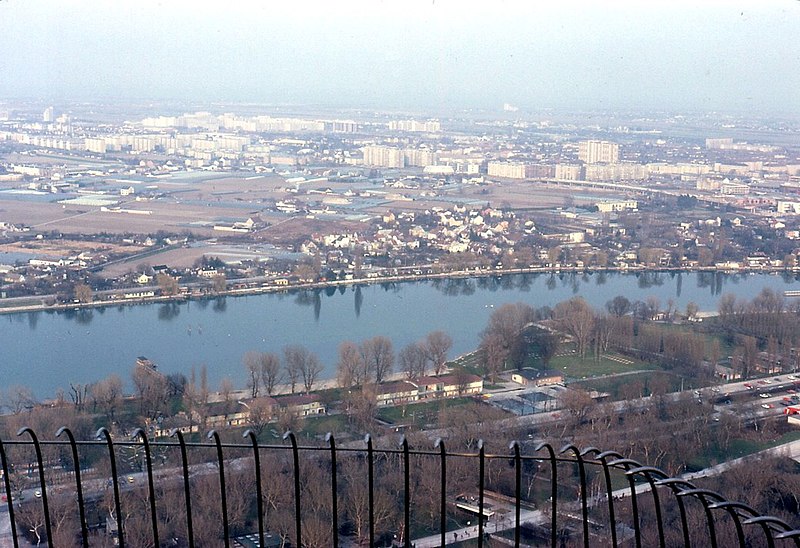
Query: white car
(763, 395)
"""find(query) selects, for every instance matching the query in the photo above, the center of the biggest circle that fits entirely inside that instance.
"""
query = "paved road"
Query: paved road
(6, 541)
(465, 533)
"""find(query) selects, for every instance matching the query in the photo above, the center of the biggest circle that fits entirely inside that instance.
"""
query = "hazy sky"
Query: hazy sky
(726, 55)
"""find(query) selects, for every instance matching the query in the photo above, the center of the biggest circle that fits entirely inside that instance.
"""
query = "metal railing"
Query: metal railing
(129, 490)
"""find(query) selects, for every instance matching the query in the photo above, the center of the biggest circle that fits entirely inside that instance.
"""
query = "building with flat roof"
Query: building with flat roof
(598, 152)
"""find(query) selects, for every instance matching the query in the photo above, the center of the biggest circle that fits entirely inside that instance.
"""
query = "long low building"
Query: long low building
(454, 384)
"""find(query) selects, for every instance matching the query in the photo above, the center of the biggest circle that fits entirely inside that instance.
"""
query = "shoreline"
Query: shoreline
(397, 278)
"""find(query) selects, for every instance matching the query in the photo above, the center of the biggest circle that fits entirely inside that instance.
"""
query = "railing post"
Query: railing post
(728, 507)
(553, 491)
(371, 487)
(259, 502)
(701, 494)
(9, 497)
(626, 464)
(602, 456)
(151, 488)
(334, 495)
(186, 494)
(517, 489)
(767, 523)
(673, 483)
(42, 485)
(296, 458)
(77, 468)
(584, 504)
(481, 479)
(112, 459)
(223, 492)
(406, 495)
(646, 471)
(439, 444)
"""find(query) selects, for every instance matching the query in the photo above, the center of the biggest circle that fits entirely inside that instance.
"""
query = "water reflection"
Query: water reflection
(646, 280)
(169, 311)
(456, 286)
(358, 301)
(220, 304)
(525, 282)
(84, 316)
(33, 319)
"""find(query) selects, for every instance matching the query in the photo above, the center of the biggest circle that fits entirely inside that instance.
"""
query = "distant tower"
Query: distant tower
(597, 152)
(48, 115)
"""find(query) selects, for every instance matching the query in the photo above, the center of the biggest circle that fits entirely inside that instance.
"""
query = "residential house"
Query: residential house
(536, 377)
(302, 405)
(394, 393)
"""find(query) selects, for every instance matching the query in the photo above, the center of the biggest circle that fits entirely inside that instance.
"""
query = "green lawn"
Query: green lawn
(576, 368)
(613, 385)
(419, 414)
(738, 448)
(322, 424)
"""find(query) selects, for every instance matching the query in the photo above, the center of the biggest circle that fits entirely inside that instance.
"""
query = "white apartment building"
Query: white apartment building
(511, 170)
(621, 205)
(785, 206)
(382, 156)
(429, 126)
(595, 152)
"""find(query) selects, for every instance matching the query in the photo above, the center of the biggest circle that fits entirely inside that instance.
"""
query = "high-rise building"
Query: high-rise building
(48, 115)
(381, 156)
(598, 152)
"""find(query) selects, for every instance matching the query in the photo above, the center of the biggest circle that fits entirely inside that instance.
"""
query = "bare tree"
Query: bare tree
(78, 393)
(300, 362)
(437, 345)
(219, 283)
(310, 368)
(82, 293)
(270, 371)
(259, 414)
(195, 397)
(576, 317)
(226, 393)
(493, 354)
(378, 356)
(252, 362)
(167, 284)
(413, 360)
(350, 369)
(19, 398)
(619, 306)
(363, 407)
(505, 335)
(107, 395)
(151, 388)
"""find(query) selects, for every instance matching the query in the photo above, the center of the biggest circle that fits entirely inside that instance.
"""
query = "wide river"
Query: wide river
(47, 350)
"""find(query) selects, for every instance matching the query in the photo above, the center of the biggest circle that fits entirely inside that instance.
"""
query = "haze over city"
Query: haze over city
(484, 231)
(432, 55)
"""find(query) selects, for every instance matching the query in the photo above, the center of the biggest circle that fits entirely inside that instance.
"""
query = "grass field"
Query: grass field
(738, 448)
(613, 385)
(575, 367)
(419, 414)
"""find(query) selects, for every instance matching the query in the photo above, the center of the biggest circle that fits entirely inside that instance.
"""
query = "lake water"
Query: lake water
(48, 350)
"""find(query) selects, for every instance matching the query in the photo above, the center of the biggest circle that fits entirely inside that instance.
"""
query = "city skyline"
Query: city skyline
(434, 56)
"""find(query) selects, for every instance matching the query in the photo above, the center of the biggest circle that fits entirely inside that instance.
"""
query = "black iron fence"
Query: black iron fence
(130, 490)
